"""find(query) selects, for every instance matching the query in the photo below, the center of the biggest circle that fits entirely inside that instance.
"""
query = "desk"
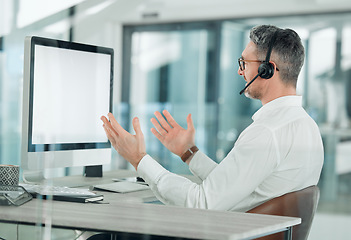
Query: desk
(127, 213)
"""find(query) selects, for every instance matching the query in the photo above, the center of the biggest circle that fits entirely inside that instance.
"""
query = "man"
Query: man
(280, 152)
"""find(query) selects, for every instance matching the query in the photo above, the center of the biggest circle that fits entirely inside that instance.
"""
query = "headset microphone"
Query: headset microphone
(266, 69)
(242, 91)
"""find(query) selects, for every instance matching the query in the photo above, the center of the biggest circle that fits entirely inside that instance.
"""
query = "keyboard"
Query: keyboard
(55, 190)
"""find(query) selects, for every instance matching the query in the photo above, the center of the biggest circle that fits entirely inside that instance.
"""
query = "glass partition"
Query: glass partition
(235, 110)
(14, 27)
(173, 70)
(323, 82)
(191, 67)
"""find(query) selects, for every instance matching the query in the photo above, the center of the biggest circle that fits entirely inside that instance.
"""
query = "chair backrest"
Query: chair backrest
(302, 204)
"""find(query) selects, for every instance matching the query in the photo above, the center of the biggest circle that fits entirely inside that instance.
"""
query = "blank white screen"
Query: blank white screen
(71, 93)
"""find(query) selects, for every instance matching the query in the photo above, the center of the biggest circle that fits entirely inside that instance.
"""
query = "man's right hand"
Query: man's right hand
(175, 138)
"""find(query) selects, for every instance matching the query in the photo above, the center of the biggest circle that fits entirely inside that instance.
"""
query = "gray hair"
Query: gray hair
(288, 52)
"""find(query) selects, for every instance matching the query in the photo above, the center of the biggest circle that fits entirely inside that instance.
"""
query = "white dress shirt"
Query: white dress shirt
(280, 152)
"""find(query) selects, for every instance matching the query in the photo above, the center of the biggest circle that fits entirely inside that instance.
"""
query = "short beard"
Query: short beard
(252, 94)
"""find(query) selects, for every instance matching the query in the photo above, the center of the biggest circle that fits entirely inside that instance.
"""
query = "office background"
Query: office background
(182, 56)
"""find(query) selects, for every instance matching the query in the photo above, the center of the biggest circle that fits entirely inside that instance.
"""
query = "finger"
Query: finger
(136, 125)
(170, 119)
(110, 135)
(157, 134)
(107, 125)
(115, 125)
(190, 123)
(163, 121)
(104, 119)
(160, 129)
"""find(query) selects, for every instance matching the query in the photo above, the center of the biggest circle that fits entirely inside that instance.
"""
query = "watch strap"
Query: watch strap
(191, 151)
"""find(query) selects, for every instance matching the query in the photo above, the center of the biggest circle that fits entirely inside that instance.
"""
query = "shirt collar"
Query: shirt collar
(286, 101)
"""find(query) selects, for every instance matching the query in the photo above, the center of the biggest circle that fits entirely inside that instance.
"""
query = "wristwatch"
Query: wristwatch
(191, 151)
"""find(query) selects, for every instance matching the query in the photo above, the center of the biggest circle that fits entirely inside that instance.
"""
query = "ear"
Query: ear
(274, 66)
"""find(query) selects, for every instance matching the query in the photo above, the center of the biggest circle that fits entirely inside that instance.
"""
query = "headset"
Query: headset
(266, 69)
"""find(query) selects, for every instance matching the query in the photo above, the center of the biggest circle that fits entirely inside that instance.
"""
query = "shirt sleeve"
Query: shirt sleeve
(201, 165)
(252, 159)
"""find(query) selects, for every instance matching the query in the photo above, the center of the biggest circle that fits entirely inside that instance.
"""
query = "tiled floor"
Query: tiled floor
(328, 226)
(333, 218)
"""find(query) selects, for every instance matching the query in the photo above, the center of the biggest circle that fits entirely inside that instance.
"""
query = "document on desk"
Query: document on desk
(122, 187)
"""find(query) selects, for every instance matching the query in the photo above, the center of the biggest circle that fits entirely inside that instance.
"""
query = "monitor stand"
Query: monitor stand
(33, 176)
(90, 173)
(93, 171)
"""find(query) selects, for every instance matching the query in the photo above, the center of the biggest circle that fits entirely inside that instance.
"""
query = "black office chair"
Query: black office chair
(302, 204)
(102, 236)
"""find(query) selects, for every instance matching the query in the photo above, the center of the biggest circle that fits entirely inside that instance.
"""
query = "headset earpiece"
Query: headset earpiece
(267, 70)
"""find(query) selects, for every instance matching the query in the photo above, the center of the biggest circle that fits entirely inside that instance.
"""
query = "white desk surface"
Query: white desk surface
(128, 213)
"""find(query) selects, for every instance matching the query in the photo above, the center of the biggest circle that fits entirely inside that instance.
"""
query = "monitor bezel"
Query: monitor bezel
(40, 41)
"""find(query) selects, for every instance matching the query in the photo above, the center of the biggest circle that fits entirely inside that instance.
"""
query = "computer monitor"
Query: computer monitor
(67, 87)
